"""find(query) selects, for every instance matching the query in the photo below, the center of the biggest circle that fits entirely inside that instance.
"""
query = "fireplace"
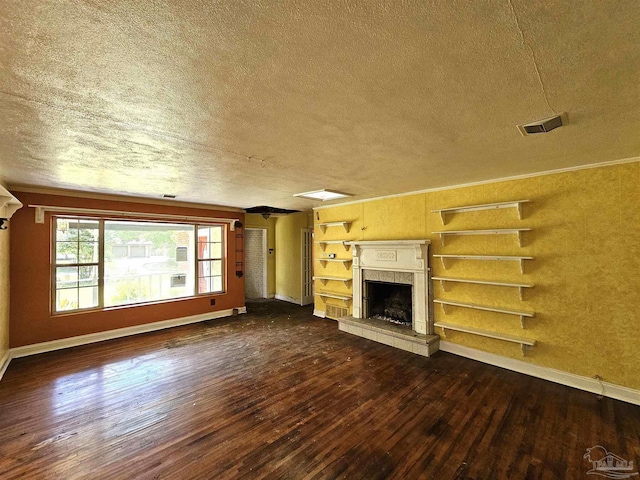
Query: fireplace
(391, 295)
(402, 262)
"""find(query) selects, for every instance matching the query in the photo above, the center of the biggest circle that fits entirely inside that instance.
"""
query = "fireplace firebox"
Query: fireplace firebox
(390, 302)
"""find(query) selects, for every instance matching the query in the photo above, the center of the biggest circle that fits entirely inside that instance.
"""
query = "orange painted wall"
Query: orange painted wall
(31, 320)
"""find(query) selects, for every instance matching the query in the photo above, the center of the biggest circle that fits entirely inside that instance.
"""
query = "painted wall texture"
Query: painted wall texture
(31, 319)
(253, 220)
(4, 291)
(585, 241)
(289, 254)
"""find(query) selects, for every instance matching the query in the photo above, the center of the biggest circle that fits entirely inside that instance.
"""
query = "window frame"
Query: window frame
(54, 265)
(198, 259)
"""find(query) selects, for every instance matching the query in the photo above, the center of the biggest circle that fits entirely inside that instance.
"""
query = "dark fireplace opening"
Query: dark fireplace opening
(390, 302)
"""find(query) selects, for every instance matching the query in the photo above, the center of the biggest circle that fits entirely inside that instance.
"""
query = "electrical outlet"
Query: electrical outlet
(213, 302)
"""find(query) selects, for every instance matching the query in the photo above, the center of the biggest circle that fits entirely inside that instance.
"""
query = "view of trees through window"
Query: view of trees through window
(106, 263)
(76, 263)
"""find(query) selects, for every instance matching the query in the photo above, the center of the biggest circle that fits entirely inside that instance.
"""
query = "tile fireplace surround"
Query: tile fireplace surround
(392, 261)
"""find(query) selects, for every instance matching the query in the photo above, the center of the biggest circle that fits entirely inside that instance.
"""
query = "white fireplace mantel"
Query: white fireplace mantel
(394, 256)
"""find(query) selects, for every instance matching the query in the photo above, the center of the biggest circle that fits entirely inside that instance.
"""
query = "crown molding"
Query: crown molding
(486, 182)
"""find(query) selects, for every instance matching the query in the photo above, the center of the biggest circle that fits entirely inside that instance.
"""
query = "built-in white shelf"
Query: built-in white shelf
(345, 225)
(344, 261)
(494, 231)
(517, 204)
(514, 258)
(520, 286)
(338, 296)
(519, 313)
(524, 342)
(323, 244)
(325, 279)
(8, 204)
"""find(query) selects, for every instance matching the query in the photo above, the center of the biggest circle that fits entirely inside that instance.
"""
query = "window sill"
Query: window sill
(134, 305)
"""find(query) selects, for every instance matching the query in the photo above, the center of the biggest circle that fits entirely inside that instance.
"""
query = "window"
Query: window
(76, 264)
(209, 259)
(106, 263)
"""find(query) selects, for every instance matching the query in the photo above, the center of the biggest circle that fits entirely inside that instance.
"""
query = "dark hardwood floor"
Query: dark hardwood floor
(278, 393)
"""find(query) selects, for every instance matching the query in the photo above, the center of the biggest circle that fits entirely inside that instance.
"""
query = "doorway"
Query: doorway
(255, 284)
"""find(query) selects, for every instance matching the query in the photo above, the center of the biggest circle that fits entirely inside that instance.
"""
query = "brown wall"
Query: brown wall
(31, 319)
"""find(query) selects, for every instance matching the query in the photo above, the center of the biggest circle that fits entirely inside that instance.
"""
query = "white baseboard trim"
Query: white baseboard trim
(271, 295)
(118, 333)
(4, 363)
(285, 298)
(242, 310)
(319, 313)
(564, 378)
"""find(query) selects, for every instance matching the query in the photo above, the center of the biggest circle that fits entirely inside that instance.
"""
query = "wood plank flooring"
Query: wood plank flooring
(278, 393)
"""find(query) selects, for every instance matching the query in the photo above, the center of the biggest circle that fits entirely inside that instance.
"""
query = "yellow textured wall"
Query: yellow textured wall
(585, 241)
(4, 292)
(253, 220)
(289, 255)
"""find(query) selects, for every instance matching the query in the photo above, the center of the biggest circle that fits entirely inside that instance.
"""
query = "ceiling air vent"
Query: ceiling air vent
(543, 126)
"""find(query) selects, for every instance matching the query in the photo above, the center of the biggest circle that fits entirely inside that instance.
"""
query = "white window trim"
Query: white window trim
(101, 252)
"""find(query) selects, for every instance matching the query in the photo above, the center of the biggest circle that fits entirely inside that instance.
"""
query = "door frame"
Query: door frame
(306, 299)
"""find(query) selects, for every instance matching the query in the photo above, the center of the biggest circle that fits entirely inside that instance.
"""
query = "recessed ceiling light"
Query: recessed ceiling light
(322, 195)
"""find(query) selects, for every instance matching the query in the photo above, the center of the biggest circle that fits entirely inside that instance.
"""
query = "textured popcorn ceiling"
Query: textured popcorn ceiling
(245, 103)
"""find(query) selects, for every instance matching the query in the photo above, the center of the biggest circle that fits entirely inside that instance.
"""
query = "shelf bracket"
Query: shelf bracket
(442, 239)
(522, 321)
(522, 266)
(519, 208)
(444, 262)
(39, 215)
(444, 332)
(524, 349)
(443, 217)
(443, 284)
(519, 239)
(521, 292)
(445, 308)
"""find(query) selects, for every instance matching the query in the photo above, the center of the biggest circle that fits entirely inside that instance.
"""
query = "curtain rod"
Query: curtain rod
(42, 209)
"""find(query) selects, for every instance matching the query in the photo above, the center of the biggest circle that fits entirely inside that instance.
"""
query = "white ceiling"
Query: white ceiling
(245, 103)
